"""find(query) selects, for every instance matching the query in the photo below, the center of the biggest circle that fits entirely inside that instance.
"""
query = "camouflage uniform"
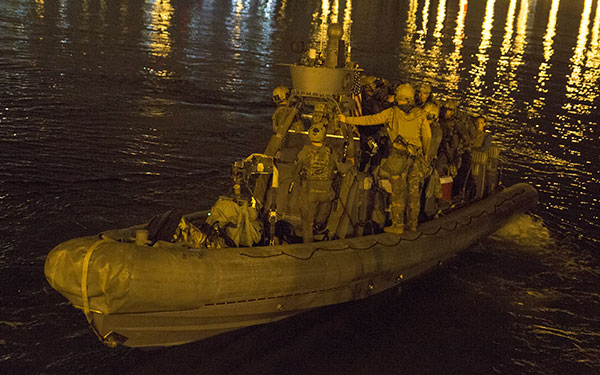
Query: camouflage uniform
(316, 166)
(451, 148)
(411, 135)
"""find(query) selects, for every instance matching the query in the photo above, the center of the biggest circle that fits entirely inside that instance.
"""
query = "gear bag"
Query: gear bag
(240, 222)
(163, 227)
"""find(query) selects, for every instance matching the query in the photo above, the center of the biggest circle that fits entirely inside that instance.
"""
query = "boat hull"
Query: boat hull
(173, 295)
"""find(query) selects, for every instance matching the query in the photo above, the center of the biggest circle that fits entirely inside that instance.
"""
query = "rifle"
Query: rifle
(412, 151)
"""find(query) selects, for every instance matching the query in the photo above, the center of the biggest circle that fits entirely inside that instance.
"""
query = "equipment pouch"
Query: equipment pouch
(396, 163)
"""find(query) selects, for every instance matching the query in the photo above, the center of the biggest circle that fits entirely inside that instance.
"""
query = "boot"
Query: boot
(394, 228)
(397, 226)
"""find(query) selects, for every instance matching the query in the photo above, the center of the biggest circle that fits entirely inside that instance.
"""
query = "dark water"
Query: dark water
(114, 110)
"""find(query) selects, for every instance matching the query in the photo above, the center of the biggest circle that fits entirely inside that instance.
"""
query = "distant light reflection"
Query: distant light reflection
(411, 24)
(511, 55)
(436, 49)
(543, 74)
(329, 13)
(479, 70)
(282, 9)
(324, 24)
(580, 84)
(234, 25)
(420, 42)
(347, 26)
(406, 43)
(429, 61)
(160, 37)
(456, 56)
(39, 8)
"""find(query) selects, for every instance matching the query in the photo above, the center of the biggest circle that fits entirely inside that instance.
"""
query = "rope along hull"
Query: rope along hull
(142, 296)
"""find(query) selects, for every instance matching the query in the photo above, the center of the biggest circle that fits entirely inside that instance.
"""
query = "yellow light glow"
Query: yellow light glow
(160, 37)
(324, 24)
(281, 14)
(456, 56)
(335, 11)
(521, 36)
(582, 81)
(39, 8)
(347, 26)
(411, 23)
(593, 54)
(436, 49)
(420, 42)
(479, 70)
(511, 55)
(543, 75)
(508, 28)
(439, 20)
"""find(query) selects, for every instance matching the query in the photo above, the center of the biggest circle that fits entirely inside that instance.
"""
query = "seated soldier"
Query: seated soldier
(315, 165)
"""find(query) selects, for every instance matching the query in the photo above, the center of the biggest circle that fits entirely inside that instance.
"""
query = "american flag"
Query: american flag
(356, 95)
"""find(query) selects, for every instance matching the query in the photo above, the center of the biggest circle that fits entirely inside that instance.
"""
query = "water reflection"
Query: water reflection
(478, 71)
(456, 56)
(347, 26)
(436, 50)
(423, 52)
(581, 82)
(39, 8)
(511, 56)
(543, 74)
(329, 12)
(420, 42)
(282, 9)
(160, 24)
(411, 24)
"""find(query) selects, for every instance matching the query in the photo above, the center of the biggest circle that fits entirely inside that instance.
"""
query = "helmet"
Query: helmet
(316, 133)
(281, 94)
(405, 91)
(451, 104)
(425, 88)
(432, 110)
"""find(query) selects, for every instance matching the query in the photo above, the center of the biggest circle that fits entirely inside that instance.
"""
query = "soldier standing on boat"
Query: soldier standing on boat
(453, 142)
(374, 99)
(410, 134)
(432, 186)
(484, 161)
(423, 95)
(315, 165)
(466, 131)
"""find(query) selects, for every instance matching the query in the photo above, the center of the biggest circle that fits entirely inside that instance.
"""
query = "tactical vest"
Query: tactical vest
(320, 164)
(408, 126)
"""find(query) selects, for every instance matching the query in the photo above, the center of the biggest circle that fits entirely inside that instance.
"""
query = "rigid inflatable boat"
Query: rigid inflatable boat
(172, 289)
(142, 296)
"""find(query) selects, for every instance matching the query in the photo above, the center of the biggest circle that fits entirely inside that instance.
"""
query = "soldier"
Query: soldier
(281, 95)
(284, 118)
(410, 134)
(432, 186)
(432, 111)
(315, 165)
(374, 99)
(423, 95)
(466, 132)
(482, 167)
(482, 139)
(453, 141)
